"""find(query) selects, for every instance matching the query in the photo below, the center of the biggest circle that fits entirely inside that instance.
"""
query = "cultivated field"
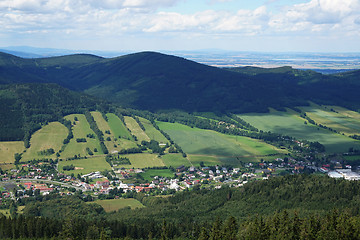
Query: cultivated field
(110, 205)
(8, 150)
(80, 130)
(151, 131)
(206, 142)
(143, 160)
(135, 129)
(175, 160)
(291, 124)
(342, 120)
(104, 126)
(84, 166)
(117, 127)
(49, 136)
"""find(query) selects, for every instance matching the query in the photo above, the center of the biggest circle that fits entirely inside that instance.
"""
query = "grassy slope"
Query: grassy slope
(290, 123)
(104, 126)
(80, 130)
(341, 120)
(110, 205)
(135, 129)
(175, 160)
(209, 143)
(143, 160)
(151, 131)
(91, 164)
(118, 129)
(49, 136)
(8, 149)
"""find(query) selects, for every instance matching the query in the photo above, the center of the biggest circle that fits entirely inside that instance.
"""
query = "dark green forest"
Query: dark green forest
(289, 207)
(154, 81)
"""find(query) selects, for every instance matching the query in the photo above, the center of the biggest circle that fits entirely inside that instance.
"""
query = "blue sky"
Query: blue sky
(137, 25)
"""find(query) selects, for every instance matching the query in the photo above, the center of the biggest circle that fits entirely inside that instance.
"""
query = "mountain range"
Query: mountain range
(154, 81)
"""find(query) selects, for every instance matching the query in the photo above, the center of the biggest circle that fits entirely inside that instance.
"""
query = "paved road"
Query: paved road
(42, 180)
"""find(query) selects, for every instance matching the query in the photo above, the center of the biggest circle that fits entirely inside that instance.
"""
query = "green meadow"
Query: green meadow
(135, 129)
(151, 131)
(85, 166)
(49, 136)
(291, 124)
(117, 126)
(110, 205)
(149, 174)
(8, 150)
(339, 120)
(200, 144)
(80, 130)
(104, 126)
(143, 160)
(175, 160)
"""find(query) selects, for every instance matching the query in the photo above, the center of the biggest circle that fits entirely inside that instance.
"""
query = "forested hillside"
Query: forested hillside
(290, 207)
(154, 81)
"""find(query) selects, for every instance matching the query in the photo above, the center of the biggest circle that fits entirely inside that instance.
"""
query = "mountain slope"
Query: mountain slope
(155, 81)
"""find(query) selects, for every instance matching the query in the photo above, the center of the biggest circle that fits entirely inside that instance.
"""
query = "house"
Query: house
(181, 168)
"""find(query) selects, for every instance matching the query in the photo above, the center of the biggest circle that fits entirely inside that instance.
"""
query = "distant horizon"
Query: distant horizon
(183, 25)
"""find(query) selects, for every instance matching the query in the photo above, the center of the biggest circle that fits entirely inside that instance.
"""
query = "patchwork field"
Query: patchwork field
(151, 131)
(200, 144)
(135, 129)
(291, 124)
(110, 205)
(49, 136)
(143, 160)
(342, 120)
(84, 166)
(8, 150)
(80, 130)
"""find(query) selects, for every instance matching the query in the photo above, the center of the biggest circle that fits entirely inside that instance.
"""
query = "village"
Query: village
(42, 178)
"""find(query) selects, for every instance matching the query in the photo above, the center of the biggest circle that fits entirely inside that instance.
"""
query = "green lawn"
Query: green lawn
(135, 129)
(85, 166)
(49, 136)
(289, 123)
(149, 174)
(206, 142)
(175, 160)
(8, 150)
(80, 130)
(143, 160)
(151, 131)
(110, 205)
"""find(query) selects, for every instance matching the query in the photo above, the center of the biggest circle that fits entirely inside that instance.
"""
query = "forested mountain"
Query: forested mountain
(23, 107)
(155, 81)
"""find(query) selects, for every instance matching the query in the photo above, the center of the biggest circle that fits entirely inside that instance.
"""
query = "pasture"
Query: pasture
(110, 205)
(135, 129)
(291, 124)
(341, 120)
(151, 131)
(117, 127)
(85, 166)
(175, 160)
(143, 160)
(8, 150)
(206, 142)
(149, 174)
(104, 126)
(49, 136)
(80, 130)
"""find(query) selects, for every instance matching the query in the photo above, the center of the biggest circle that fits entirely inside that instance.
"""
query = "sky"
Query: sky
(174, 25)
